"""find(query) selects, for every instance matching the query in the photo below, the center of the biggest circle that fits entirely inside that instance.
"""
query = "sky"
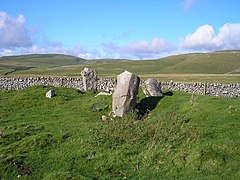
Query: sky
(126, 29)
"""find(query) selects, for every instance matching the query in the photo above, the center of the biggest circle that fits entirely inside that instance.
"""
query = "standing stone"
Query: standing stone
(151, 87)
(50, 94)
(125, 95)
(90, 79)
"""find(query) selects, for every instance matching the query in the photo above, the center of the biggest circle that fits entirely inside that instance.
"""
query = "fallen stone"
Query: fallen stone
(104, 94)
(125, 95)
(50, 94)
(152, 87)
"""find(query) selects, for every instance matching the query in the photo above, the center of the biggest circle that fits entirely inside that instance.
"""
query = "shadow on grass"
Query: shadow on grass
(148, 104)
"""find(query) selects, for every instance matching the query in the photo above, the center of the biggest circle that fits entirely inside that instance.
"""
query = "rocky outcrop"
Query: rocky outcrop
(151, 87)
(125, 95)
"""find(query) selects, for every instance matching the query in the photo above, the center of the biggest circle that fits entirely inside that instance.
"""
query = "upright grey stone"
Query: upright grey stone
(152, 87)
(125, 95)
(50, 94)
(90, 79)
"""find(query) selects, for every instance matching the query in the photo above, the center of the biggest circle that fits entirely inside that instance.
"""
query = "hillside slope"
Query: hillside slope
(220, 62)
(213, 63)
(10, 64)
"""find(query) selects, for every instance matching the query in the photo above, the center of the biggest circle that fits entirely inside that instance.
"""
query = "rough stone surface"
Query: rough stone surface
(151, 87)
(18, 83)
(50, 94)
(89, 78)
(125, 95)
(211, 89)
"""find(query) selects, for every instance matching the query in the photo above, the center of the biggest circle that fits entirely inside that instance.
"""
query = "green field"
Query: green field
(183, 137)
(208, 66)
(24, 63)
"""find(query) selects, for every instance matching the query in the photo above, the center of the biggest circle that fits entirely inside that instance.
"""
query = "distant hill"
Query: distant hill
(10, 64)
(219, 62)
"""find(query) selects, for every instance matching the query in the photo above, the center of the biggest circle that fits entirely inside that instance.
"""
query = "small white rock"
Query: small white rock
(104, 118)
(50, 94)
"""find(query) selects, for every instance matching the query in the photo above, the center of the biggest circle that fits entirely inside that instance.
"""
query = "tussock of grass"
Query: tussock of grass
(182, 137)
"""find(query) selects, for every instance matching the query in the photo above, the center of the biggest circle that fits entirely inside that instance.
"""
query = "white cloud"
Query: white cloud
(205, 38)
(201, 39)
(13, 32)
(140, 49)
(228, 37)
(54, 48)
(15, 39)
(155, 46)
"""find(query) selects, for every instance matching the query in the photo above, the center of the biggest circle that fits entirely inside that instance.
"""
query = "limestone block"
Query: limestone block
(50, 94)
(125, 95)
(89, 78)
(151, 87)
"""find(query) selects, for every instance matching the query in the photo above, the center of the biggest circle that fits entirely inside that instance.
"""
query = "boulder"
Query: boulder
(89, 78)
(50, 94)
(125, 95)
(152, 87)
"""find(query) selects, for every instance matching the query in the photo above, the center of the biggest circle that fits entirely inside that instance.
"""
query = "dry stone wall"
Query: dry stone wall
(68, 82)
(21, 83)
(213, 89)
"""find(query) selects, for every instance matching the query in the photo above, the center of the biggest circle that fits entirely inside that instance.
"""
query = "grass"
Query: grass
(216, 63)
(185, 137)
(21, 64)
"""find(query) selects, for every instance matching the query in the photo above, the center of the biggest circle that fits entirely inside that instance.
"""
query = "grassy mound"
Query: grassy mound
(183, 137)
